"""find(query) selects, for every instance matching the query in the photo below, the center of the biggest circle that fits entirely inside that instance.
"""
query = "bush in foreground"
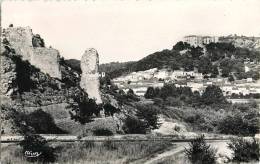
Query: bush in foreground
(244, 151)
(33, 144)
(200, 153)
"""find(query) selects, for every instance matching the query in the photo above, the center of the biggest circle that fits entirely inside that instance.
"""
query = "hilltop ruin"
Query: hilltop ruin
(31, 48)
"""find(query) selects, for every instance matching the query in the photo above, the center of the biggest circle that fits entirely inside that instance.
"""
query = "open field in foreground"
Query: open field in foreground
(92, 152)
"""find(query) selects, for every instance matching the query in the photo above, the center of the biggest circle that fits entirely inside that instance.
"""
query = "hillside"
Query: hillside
(215, 59)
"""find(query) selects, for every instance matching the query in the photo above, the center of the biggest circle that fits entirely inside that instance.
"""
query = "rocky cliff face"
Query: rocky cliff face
(89, 77)
(22, 39)
(7, 76)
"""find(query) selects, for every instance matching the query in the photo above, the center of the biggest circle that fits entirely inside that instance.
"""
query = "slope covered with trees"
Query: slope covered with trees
(223, 59)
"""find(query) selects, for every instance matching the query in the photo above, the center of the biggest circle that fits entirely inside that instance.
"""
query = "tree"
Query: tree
(240, 123)
(200, 152)
(130, 92)
(133, 125)
(179, 46)
(150, 93)
(215, 72)
(83, 107)
(253, 74)
(213, 95)
(231, 78)
(33, 143)
(205, 65)
(42, 122)
(110, 110)
(244, 150)
(148, 114)
(226, 72)
(196, 52)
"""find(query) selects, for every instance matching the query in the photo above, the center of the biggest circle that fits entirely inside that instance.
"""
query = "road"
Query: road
(179, 148)
(115, 138)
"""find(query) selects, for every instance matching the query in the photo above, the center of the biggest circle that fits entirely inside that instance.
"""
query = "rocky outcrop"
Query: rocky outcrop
(37, 41)
(7, 76)
(31, 48)
(89, 77)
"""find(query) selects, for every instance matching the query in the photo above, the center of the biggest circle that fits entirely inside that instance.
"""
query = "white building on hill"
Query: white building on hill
(196, 40)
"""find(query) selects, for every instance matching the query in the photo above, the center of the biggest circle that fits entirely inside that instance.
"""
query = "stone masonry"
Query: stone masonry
(46, 59)
(90, 77)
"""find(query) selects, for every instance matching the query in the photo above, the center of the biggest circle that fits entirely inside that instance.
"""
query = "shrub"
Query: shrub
(35, 143)
(102, 132)
(158, 101)
(171, 101)
(240, 123)
(244, 151)
(110, 110)
(149, 114)
(200, 152)
(213, 95)
(150, 93)
(42, 123)
(133, 125)
(83, 107)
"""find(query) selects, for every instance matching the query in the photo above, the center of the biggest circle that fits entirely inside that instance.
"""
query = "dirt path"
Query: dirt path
(180, 147)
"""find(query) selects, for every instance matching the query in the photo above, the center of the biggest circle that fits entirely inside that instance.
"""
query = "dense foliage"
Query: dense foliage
(240, 123)
(36, 144)
(219, 59)
(177, 96)
(102, 132)
(149, 114)
(37, 121)
(245, 150)
(145, 119)
(133, 125)
(42, 123)
(213, 95)
(199, 152)
(83, 108)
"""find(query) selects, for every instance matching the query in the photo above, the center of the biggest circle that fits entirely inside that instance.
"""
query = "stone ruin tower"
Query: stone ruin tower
(90, 77)
(46, 59)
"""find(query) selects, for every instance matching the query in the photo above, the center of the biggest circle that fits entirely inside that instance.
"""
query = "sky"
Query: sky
(128, 30)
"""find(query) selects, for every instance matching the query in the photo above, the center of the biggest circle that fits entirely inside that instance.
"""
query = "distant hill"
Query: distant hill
(225, 58)
(74, 64)
(214, 59)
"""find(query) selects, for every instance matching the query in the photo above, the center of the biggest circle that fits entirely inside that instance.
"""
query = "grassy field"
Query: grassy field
(90, 152)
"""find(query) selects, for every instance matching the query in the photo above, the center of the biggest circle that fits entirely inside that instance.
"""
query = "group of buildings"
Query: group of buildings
(140, 81)
(238, 41)
(197, 40)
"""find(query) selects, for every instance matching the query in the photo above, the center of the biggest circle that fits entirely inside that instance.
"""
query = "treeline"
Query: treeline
(218, 59)
(171, 95)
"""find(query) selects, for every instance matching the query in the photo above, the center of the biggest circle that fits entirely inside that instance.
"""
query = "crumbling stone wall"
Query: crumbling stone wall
(20, 38)
(89, 77)
(46, 59)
